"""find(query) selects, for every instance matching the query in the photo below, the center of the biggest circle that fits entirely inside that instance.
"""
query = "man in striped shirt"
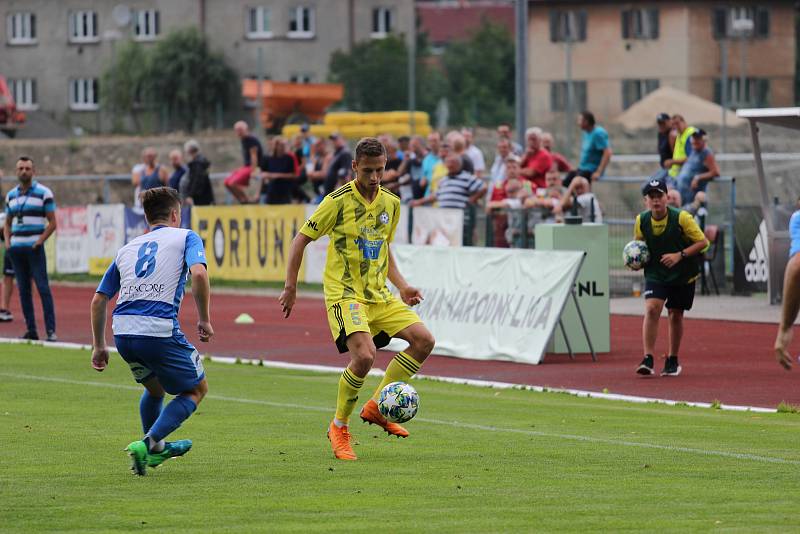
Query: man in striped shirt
(456, 190)
(30, 220)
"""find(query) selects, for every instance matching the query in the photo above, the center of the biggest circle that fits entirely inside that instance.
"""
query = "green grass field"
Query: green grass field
(478, 460)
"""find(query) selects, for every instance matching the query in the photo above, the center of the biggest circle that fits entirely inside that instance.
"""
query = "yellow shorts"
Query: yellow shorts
(382, 321)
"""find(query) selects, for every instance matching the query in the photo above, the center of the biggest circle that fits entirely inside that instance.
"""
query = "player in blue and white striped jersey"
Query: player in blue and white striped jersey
(150, 273)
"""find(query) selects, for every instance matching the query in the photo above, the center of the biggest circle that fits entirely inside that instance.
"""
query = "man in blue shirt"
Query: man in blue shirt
(30, 220)
(791, 293)
(595, 150)
(150, 273)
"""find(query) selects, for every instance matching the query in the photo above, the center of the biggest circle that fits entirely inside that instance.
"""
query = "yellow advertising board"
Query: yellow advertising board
(248, 242)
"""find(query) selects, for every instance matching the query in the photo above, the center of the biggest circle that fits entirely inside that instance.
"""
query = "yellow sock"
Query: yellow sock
(349, 385)
(400, 369)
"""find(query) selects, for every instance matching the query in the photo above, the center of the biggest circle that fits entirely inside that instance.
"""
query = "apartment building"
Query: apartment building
(55, 51)
(617, 52)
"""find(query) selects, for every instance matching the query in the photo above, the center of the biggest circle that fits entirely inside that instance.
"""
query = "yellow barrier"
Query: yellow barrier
(248, 242)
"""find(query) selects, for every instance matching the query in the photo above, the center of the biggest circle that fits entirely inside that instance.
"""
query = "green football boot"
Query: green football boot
(138, 453)
(171, 450)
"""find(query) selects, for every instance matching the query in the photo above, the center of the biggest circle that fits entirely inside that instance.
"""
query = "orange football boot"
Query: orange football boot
(340, 442)
(372, 415)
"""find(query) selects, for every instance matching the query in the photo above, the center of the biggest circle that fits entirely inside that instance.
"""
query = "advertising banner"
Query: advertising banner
(437, 226)
(489, 303)
(248, 242)
(72, 243)
(106, 229)
(135, 224)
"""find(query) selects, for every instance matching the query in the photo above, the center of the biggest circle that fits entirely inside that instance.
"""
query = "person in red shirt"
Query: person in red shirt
(537, 160)
(561, 163)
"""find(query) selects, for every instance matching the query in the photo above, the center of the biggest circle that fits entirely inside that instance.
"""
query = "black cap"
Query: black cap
(662, 117)
(699, 133)
(654, 185)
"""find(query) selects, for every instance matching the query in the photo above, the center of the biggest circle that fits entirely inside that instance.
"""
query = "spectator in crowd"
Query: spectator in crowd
(595, 150)
(474, 153)
(432, 157)
(317, 167)
(178, 169)
(673, 198)
(307, 143)
(136, 176)
(537, 161)
(278, 174)
(498, 171)
(30, 221)
(579, 191)
(548, 201)
(412, 182)
(507, 195)
(252, 154)
(341, 164)
(195, 189)
(699, 169)
(391, 173)
(560, 163)
(152, 174)
(403, 146)
(458, 146)
(504, 131)
(681, 149)
(301, 164)
(439, 171)
(666, 138)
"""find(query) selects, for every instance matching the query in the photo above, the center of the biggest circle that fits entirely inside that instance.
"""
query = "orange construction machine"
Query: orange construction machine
(10, 118)
(284, 101)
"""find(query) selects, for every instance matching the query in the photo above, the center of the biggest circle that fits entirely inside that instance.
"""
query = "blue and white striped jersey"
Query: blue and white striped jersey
(150, 273)
(28, 211)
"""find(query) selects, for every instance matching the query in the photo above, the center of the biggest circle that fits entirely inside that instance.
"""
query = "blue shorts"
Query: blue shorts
(173, 360)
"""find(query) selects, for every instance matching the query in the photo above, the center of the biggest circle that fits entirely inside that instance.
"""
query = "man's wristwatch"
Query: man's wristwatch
(683, 255)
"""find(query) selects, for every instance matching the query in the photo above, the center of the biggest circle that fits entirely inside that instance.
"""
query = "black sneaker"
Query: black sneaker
(33, 336)
(646, 367)
(671, 367)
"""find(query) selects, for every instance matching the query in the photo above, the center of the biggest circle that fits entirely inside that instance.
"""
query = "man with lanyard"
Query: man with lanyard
(791, 294)
(673, 238)
(681, 150)
(30, 220)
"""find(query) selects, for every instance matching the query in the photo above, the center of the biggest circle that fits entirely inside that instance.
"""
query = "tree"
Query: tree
(480, 76)
(180, 78)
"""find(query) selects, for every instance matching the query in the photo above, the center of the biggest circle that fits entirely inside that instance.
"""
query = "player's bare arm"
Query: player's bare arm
(201, 291)
(410, 295)
(99, 348)
(289, 294)
(671, 260)
(791, 306)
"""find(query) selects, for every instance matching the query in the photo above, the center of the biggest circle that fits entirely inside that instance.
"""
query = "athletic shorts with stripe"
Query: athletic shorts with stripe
(382, 321)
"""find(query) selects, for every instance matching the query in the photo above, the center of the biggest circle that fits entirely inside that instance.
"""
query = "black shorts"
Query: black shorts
(678, 297)
(8, 267)
(572, 174)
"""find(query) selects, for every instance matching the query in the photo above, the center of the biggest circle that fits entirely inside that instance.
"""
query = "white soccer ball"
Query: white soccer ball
(635, 255)
(398, 402)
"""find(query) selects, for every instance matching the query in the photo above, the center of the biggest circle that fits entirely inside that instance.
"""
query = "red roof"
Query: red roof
(445, 23)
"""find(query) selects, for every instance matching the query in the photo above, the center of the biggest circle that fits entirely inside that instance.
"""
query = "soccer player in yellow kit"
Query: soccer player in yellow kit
(361, 218)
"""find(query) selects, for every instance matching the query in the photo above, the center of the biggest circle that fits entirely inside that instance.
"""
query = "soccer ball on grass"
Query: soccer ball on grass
(398, 402)
(635, 255)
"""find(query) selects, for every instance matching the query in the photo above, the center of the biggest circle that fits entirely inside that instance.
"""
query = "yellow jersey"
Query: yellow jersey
(357, 263)
(687, 223)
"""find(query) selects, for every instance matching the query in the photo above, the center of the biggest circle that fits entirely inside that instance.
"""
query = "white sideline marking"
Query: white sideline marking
(455, 424)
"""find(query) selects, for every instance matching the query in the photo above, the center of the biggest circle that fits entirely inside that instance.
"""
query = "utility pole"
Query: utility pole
(521, 71)
(412, 74)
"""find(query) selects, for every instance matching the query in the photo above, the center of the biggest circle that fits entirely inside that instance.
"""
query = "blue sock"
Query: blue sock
(171, 417)
(149, 409)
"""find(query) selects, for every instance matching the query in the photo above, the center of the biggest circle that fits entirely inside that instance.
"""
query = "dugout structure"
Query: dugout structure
(774, 132)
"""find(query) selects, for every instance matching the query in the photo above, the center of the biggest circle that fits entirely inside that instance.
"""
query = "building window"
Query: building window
(640, 24)
(567, 26)
(300, 78)
(21, 28)
(382, 22)
(742, 21)
(259, 23)
(24, 93)
(559, 96)
(83, 27)
(83, 94)
(753, 93)
(635, 90)
(301, 23)
(147, 25)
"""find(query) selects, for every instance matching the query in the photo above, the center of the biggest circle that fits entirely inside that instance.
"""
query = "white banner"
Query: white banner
(437, 226)
(72, 245)
(489, 303)
(106, 226)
